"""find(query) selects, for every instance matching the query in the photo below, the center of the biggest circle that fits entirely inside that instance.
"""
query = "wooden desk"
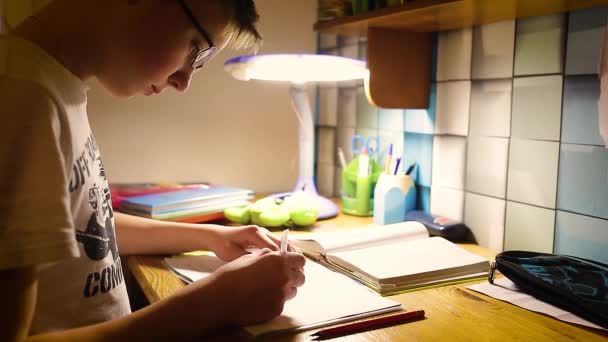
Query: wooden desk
(453, 313)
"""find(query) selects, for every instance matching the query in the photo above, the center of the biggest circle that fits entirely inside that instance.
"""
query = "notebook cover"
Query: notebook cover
(182, 197)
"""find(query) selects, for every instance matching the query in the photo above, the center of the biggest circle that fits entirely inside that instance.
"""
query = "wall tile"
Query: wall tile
(581, 236)
(485, 216)
(447, 202)
(348, 40)
(539, 45)
(580, 123)
(418, 148)
(529, 228)
(491, 108)
(326, 146)
(449, 158)
(493, 49)
(583, 180)
(423, 200)
(487, 166)
(327, 41)
(363, 50)
(454, 55)
(390, 119)
(338, 181)
(422, 120)
(367, 114)
(328, 105)
(334, 51)
(537, 107)
(350, 50)
(343, 139)
(325, 179)
(532, 176)
(585, 33)
(347, 107)
(453, 104)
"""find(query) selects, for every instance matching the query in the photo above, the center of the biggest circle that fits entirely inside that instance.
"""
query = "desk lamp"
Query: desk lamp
(300, 69)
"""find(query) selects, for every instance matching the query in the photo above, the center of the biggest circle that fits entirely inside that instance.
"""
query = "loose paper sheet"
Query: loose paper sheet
(326, 298)
(505, 290)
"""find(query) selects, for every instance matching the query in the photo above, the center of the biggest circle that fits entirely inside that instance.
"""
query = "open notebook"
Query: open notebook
(393, 258)
(325, 298)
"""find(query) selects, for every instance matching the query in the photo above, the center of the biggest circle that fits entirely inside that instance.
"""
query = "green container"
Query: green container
(360, 6)
(358, 192)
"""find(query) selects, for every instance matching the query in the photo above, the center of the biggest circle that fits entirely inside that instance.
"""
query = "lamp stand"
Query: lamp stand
(306, 144)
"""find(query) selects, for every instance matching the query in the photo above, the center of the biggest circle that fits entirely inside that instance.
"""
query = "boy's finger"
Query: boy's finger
(262, 251)
(297, 277)
(295, 260)
(291, 293)
(261, 239)
(293, 248)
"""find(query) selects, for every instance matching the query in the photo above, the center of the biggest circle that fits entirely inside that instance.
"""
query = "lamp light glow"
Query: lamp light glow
(299, 69)
(296, 68)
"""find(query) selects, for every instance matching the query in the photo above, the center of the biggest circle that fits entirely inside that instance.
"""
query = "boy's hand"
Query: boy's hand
(230, 243)
(255, 287)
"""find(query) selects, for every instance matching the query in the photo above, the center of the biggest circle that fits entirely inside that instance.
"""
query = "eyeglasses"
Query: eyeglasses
(199, 56)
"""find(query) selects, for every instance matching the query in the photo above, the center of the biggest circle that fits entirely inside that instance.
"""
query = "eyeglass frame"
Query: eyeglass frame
(200, 55)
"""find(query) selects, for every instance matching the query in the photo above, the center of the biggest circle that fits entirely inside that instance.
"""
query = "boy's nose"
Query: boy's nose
(181, 79)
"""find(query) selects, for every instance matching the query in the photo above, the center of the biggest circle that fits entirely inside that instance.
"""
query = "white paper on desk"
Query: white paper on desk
(326, 297)
(505, 290)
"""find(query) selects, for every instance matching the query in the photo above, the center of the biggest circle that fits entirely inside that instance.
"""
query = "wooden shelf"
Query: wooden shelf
(400, 74)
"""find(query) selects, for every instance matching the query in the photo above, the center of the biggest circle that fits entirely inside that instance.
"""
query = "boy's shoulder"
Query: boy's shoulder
(25, 67)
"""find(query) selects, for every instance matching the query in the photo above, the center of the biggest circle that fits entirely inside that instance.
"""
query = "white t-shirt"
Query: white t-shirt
(55, 205)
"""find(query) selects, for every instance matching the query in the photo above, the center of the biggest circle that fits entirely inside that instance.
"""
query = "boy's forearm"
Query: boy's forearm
(137, 235)
(177, 317)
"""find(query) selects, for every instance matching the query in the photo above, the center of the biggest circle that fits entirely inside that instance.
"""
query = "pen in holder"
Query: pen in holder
(394, 196)
(357, 189)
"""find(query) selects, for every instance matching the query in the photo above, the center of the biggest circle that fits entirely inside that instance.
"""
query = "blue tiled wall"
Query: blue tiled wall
(513, 113)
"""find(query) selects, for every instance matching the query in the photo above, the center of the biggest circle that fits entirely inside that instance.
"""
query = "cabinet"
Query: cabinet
(400, 39)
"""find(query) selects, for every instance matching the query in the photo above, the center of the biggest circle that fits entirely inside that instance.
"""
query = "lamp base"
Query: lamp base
(327, 208)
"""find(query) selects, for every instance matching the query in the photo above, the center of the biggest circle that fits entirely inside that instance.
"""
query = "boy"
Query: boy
(59, 252)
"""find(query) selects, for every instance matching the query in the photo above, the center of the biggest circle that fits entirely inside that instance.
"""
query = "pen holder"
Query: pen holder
(358, 191)
(394, 196)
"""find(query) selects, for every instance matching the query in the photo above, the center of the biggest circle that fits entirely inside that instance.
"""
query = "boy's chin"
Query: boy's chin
(121, 92)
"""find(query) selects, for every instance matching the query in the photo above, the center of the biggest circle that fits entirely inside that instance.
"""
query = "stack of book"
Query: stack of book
(122, 191)
(190, 205)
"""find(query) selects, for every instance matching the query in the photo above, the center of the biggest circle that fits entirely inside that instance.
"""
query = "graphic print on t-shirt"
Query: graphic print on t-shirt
(98, 237)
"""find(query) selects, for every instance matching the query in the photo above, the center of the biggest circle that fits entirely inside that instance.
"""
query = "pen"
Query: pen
(397, 166)
(363, 163)
(284, 241)
(389, 157)
(410, 169)
(341, 157)
(371, 323)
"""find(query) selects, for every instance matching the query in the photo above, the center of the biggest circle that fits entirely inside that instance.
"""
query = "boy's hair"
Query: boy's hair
(242, 17)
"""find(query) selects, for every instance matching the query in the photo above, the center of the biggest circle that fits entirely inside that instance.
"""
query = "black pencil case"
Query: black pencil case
(573, 284)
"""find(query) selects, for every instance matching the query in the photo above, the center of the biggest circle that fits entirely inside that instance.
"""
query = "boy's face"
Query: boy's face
(152, 44)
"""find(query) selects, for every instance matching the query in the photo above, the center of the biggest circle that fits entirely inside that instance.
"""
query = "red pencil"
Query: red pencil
(371, 323)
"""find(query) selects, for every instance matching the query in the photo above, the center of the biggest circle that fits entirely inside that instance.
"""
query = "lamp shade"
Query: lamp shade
(296, 68)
